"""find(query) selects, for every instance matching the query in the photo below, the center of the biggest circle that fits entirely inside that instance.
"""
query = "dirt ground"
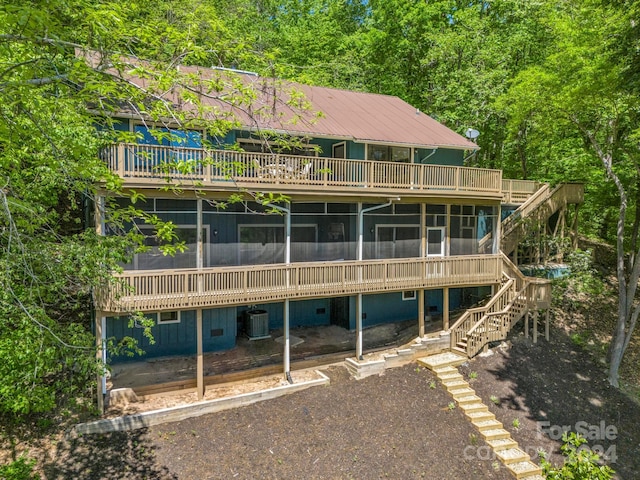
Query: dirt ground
(398, 425)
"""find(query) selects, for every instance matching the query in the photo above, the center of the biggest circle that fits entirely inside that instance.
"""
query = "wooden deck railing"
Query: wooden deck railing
(493, 321)
(518, 191)
(152, 164)
(539, 207)
(227, 286)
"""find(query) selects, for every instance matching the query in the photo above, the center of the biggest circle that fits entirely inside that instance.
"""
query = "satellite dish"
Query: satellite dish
(472, 133)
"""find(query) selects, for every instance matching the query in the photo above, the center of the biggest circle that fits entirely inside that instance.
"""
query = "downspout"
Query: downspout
(430, 155)
(287, 260)
(361, 213)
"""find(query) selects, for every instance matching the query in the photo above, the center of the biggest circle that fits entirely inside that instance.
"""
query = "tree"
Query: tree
(577, 91)
(66, 67)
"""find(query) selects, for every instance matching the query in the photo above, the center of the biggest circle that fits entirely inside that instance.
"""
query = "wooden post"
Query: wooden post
(359, 327)
(286, 353)
(535, 327)
(526, 324)
(100, 391)
(445, 308)
(546, 325)
(423, 230)
(200, 363)
(421, 313)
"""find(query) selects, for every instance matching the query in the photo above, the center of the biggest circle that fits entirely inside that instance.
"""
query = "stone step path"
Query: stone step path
(444, 365)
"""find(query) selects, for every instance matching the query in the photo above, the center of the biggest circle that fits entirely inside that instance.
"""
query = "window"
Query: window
(408, 295)
(168, 317)
(389, 154)
(264, 146)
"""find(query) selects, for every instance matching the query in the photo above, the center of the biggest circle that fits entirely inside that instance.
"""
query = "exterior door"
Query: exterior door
(435, 241)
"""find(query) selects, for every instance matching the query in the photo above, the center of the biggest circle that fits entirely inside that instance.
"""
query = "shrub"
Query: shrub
(580, 463)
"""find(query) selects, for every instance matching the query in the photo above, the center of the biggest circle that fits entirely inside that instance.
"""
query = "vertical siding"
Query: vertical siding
(388, 308)
(442, 156)
(178, 338)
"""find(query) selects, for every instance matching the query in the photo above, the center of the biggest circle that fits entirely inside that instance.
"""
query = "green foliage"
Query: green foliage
(580, 462)
(20, 469)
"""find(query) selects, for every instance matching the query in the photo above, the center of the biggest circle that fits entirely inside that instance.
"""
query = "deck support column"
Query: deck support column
(100, 325)
(546, 325)
(361, 212)
(101, 386)
(526, 324)
(287, 260)
(535, 327)
(286, 355)
(421, 313)
(445, 308)
(200, 361)
(359, 327)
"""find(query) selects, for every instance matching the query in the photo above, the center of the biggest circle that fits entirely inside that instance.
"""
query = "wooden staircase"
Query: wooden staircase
(518, 295)
(534, 214)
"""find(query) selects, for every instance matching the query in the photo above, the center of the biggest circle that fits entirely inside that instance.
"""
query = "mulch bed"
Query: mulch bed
(556, 384)
(398, 425)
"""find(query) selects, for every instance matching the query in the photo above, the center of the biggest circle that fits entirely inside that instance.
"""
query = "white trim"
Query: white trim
(442, 242)
(339, 144)
(159, 320)
(408, 295)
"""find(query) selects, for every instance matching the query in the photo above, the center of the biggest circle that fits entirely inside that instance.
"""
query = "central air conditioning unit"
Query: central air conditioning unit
(257, 324)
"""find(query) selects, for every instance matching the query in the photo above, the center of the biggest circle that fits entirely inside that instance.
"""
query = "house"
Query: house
(384, 224)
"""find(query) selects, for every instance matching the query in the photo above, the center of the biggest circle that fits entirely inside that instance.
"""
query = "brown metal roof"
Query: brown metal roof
(358, 116)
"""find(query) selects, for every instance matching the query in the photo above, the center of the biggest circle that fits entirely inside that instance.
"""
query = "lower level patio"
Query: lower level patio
(310, 346)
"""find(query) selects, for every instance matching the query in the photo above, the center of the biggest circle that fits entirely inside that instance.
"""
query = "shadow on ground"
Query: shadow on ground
(556, 385)
(112, 456)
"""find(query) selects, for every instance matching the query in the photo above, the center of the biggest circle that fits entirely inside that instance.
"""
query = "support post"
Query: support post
(421, 313)
(359, 327)
(200, 362)
(100, 352)
(526, 324)
(445, 308)
(535, 327)
(546, 325)
(287, 360)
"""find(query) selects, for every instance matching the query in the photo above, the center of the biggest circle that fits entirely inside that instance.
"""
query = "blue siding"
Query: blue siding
(442, 156)
(302, 313)
(178, 338)
(355, 150)
(388, 308)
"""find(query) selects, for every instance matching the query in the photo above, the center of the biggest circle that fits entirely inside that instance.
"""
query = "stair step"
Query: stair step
(512, 455)
(454, 384)
(491, 424)
(480, 415)
(462, 392)
(449, 376)
(495, 434)
(442, 360)
(467, 399)
(474, 407)
(459, 351)
(524, 469)
(445, 370)
(502, 443)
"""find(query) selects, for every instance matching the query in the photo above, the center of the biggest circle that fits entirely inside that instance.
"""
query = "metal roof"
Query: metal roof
(330, 112)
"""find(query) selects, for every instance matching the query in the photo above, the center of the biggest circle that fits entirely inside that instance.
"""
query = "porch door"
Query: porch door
(435, 241)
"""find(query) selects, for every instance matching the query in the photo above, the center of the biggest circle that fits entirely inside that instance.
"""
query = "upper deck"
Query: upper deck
(147, 166)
